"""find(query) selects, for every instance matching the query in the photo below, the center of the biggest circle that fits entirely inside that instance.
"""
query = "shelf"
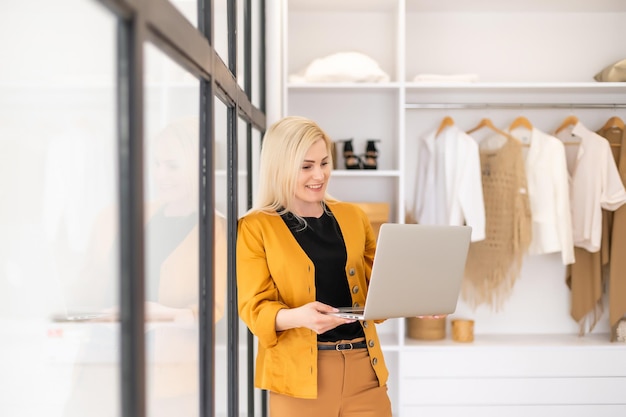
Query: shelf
(365, 173)
(539, 87)
(499, 341)
(548, 87)
(343, 86)
(515, 6)
(501, 95)
(341, 6)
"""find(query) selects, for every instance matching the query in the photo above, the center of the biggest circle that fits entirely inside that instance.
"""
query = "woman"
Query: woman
(300, 254)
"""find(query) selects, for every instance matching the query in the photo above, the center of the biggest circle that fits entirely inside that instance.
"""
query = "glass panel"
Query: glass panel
(58, 187)
(220, 29)
(172, 238)
(256, 149)
(189, 9)
(242, 133)
(257, 35)
(221, 204)
(242, 31)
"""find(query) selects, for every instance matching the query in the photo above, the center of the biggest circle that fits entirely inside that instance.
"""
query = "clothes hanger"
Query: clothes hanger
(486, 122)
(568, 121)
(614, 123)
(446, 122)
(521, 121)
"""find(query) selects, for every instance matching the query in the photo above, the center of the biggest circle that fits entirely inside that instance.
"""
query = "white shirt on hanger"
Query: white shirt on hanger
(448, 183)
(595, 184)
(548, 191)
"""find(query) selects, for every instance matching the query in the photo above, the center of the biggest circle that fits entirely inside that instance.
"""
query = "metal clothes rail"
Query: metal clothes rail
(417, 106)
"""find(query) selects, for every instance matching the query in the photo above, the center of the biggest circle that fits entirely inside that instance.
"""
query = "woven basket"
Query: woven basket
(463, 330)
(427, 328)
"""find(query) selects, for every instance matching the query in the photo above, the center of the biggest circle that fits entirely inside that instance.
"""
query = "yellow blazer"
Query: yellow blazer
(273, 272)
(174, 369)
(178, 276)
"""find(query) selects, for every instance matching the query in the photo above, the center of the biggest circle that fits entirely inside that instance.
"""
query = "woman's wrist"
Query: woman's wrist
(285, 319)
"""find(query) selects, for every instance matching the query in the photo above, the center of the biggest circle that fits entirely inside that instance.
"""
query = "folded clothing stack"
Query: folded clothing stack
(341, 67)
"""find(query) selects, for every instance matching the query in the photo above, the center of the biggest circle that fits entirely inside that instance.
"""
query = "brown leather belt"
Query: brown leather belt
(343, 346)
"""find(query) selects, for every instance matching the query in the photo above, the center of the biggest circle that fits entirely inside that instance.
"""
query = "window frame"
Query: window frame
(160, 23)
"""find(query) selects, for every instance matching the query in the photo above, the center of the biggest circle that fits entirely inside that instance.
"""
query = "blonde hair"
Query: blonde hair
(284, 147)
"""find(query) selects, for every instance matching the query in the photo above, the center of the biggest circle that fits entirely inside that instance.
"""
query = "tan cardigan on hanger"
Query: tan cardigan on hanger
(494, 264)
(614, 240)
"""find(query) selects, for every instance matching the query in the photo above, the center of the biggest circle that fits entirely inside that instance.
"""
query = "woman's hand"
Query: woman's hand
(153, 312)
(312, 316)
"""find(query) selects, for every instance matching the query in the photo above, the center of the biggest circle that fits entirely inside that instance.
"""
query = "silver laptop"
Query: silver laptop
(417, 271)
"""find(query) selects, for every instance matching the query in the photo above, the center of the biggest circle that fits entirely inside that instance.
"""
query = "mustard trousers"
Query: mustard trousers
(346, 387)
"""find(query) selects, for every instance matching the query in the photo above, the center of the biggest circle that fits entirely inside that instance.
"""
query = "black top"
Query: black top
(164, 234)
(323, 243)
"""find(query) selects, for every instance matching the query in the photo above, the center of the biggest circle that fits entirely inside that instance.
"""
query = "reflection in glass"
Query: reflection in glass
(241, 35)
(242, 186)
(172, 239)
(257, 50)
(220, 31)
(58, 175)
(221, 200)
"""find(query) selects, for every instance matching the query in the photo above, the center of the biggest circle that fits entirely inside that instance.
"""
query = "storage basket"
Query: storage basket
(427, 328)
(377, 213)
(463, 330)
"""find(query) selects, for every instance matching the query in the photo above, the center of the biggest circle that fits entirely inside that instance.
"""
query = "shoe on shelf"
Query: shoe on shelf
(351, 160)
(371, 155)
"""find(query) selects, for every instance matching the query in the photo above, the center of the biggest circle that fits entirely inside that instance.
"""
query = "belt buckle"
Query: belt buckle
(344, 346)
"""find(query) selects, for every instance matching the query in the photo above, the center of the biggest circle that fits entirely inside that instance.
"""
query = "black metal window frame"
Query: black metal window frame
(160, 23)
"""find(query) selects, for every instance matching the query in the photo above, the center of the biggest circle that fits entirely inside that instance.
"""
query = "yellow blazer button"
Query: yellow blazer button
(371, 343)
(351, 271)
(374, 361)
(355, 305)
(355, 289)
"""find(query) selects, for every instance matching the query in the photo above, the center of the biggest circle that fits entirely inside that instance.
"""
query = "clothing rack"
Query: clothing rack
(417, 106)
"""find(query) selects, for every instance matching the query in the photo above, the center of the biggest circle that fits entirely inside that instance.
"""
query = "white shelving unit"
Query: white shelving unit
(535, 58)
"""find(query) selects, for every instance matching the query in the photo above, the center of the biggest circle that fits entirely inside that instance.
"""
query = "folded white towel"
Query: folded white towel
(341, 67)
(459, 78)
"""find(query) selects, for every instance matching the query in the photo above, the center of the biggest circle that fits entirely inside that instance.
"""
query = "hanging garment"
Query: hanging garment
(548, 192)
(494, 264)
(448, 184)
(615, 240)
(595, 185)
